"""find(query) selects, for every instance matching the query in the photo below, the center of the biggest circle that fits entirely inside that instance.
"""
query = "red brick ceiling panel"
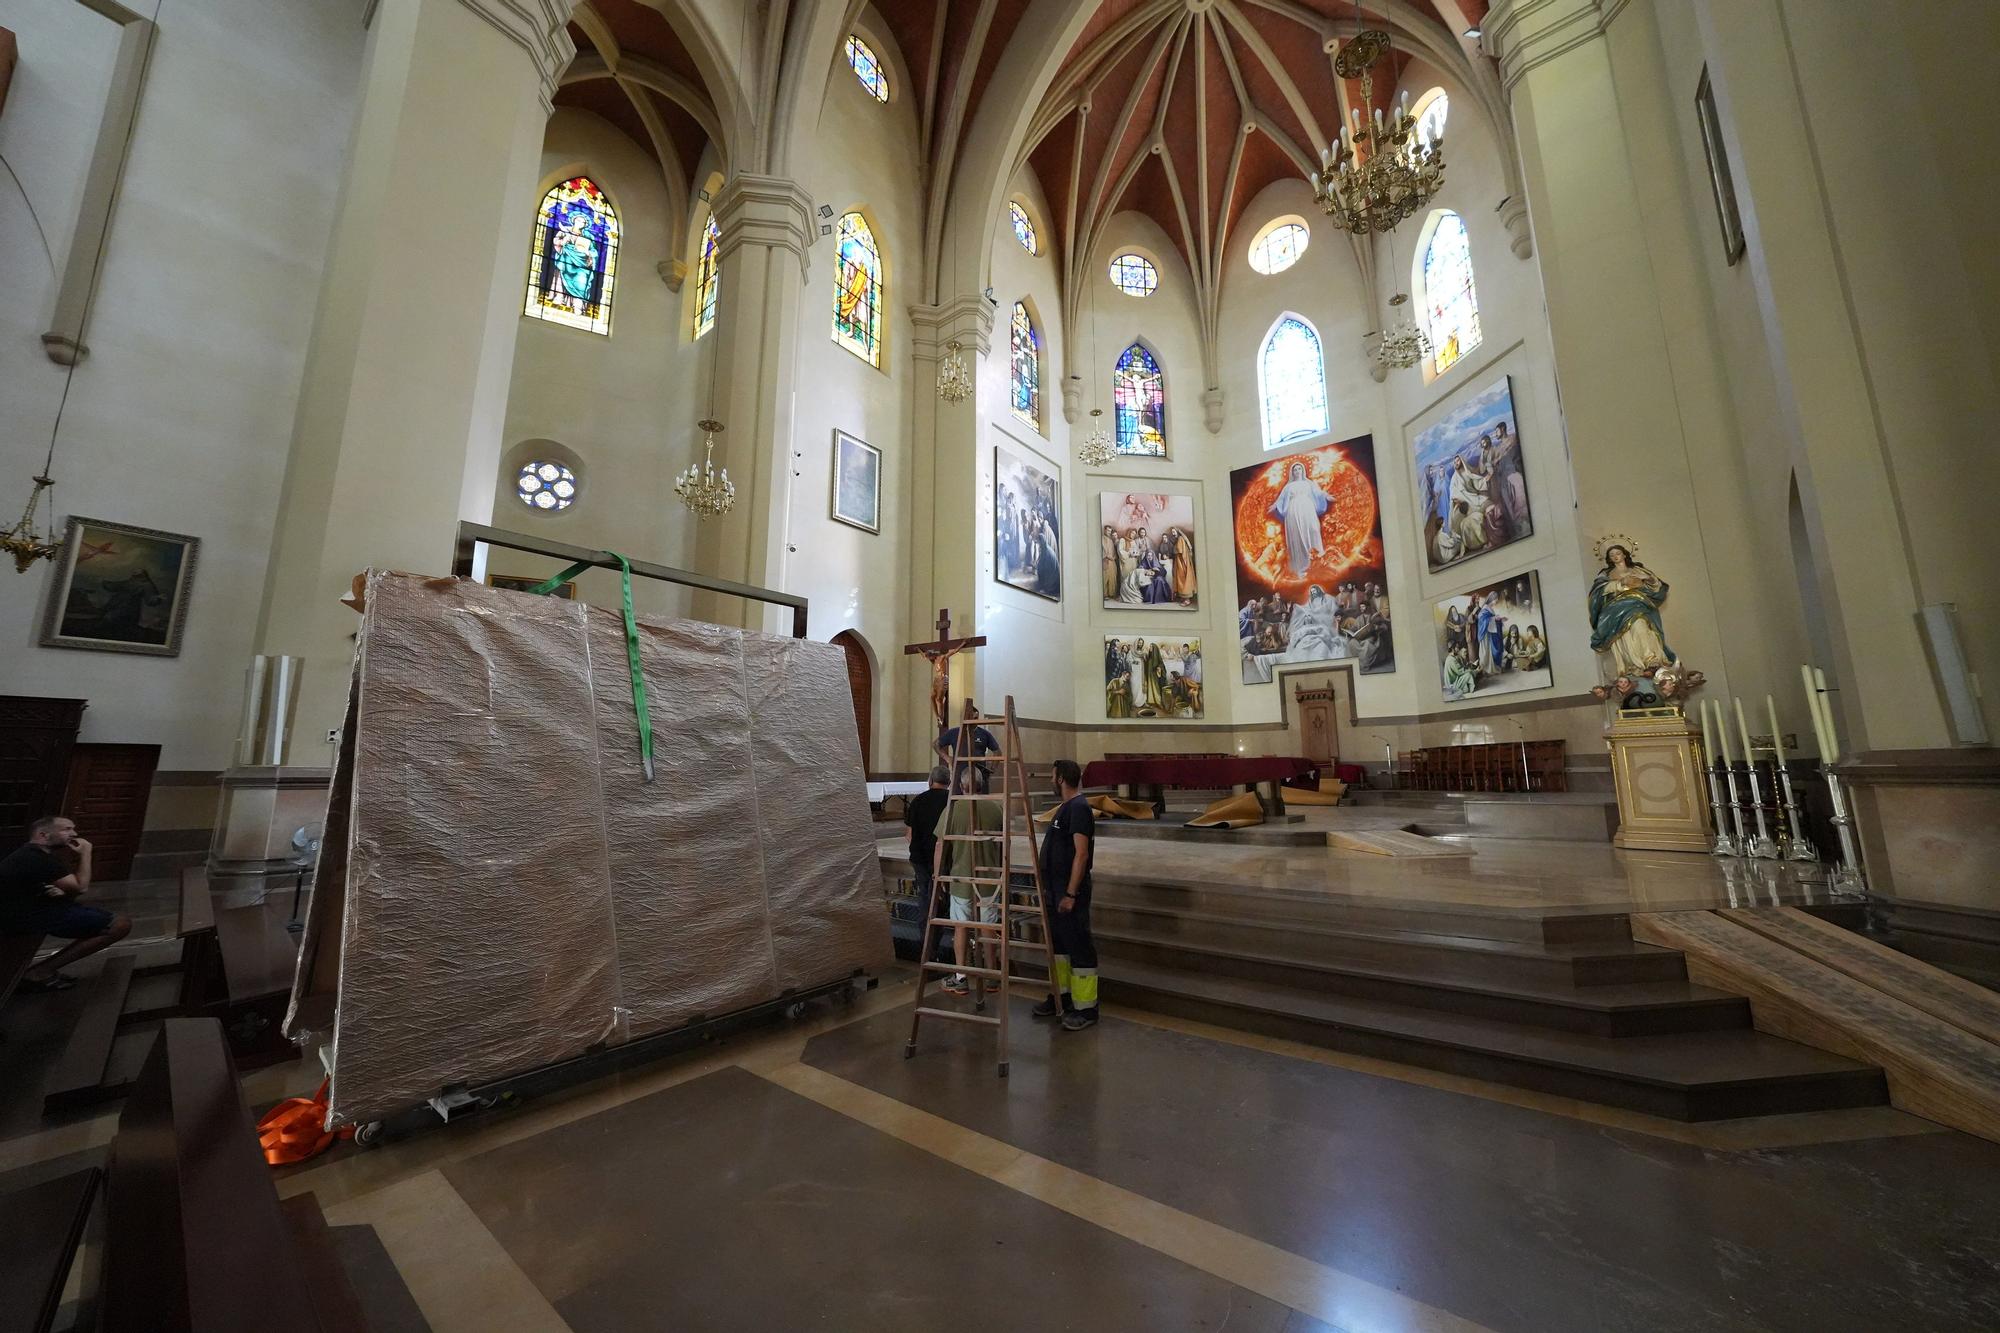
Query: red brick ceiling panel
(1051, 164)
(912, 23)
(1006, 18)
(605, 98)
(1218, 94)
(1263, 162)
(1150, 194)
(643, 30)
(1299, 55)
(688, 137)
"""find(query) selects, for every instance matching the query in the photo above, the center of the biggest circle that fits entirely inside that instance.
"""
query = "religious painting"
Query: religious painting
(573, 263)
(857, 483)
(1494, 640)
(1151, 677)
(1027, 526)
(528, 583)
(1146, 548)
(1471, 485)
(1311, 585)
(1719, 178)
(120, 589)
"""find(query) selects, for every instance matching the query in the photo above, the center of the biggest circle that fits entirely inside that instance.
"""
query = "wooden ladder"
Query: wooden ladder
(1023, 907)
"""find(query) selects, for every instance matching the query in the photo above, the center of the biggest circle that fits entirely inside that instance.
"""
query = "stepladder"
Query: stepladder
(983, 895)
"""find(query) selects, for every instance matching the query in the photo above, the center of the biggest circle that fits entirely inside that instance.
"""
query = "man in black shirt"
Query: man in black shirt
(981, 743)
(38, 896)
(920, 816)
(1066, 857)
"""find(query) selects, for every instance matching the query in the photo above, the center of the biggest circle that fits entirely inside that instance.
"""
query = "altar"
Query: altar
(1148, 777)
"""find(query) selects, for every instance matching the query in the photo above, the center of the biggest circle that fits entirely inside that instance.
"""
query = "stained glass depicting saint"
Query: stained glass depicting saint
(574, 260)
(1139, 404)
(1025, 349)
(857, 295)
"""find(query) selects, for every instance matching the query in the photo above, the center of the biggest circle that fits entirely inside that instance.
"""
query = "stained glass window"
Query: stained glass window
(545, 485)
(704, 280)
(574, 259)
(867, 67)
(1025, 358)
(1024, 228)
(1279, 247)
(1431, 111)
(857, 290)
(1451, 307)
(1139, 404)
(1134, 275)
(1292, 376)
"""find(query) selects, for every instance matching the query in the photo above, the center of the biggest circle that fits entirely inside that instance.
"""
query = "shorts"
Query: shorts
(989, 909)
(69, 920)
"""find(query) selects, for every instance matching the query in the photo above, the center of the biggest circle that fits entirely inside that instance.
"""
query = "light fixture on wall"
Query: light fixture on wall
(1377, 171)
(1402, 344)
(27, 541)
(1097, 450)
(954, 381)
(706, 492)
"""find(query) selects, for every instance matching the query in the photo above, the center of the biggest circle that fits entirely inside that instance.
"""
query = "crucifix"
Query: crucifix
(939, 655)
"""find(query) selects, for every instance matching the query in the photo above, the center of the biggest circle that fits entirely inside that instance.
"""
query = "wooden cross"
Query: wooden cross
(939, 655)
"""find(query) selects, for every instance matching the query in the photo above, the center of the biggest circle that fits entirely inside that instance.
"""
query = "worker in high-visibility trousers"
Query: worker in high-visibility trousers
(1066, 856)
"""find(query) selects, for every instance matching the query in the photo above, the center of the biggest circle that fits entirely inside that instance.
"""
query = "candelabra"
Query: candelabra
(1763, 846)
(1098, 449)
(1798, 847)
(1848, 874)
(1724, 844)
(1376, 172)
(1736, 813)
(704, 491)
(954, 381)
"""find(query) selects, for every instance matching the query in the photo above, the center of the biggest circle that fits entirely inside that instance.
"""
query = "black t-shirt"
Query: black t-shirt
(1073, 816)
(921, 814)
(25, 875)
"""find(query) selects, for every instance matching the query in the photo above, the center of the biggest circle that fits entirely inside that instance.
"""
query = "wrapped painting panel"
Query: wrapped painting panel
(510, 892)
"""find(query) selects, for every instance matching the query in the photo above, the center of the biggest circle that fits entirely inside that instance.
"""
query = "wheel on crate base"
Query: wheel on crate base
(368, 1135)
(795, 1010)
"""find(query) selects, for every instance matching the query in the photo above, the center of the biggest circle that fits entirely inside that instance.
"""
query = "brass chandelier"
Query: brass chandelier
(1098, 449)
(954, 381)
(1376, 172)
(703, 490)
(1402, 344)
(27, 541)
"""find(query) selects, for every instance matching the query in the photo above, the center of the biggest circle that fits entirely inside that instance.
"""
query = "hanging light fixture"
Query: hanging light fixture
(1402, 344)
(954, 381)
(1098, 449)
(1377, 171)
(27, 541)
(703, 490)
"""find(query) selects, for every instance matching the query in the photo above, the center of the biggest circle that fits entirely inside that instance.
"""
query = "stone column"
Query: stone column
(765, 230)
(944, 474)
(405, 384)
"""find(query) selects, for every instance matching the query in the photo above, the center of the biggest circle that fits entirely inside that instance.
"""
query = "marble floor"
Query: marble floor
(1150, 1174)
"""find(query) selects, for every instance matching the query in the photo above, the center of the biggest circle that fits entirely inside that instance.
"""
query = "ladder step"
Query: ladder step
(954, 969)
(965, 925)
(969, 879)
(929, 1012)
(972, 837)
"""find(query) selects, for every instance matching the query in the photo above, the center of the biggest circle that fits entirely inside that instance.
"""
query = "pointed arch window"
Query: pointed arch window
(867, 67)
(1139, 404)
(573, 262)
(1451, 306)
(705, 280)
(1291, 374)
(1025, 359)
(1024, 228)
(857, 290)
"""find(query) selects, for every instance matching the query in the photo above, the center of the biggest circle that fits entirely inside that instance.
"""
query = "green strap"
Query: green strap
(631, 648)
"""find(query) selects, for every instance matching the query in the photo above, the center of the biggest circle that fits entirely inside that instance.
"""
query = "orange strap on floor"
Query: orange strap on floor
(295, 1129)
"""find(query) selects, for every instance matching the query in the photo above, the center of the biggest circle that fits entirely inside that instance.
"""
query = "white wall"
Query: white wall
(180, 416)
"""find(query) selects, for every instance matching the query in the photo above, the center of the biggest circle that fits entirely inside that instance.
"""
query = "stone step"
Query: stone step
(1455, 985)
(78, 1076)
(1687, 1076)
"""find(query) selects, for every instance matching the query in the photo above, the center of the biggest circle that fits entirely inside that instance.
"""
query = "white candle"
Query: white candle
(1812, 709)
(1826, 711)
(1749, 756)
(1777, 736)
(1722, 735)
(1707, 735)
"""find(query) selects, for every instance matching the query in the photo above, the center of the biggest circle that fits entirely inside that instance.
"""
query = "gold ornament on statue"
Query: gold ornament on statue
(954, 381)
(26, 541)
(1376, 172)
(1098, 449)
(704, 491)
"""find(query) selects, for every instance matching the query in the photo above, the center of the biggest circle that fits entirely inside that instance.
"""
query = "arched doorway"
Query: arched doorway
(861, 684)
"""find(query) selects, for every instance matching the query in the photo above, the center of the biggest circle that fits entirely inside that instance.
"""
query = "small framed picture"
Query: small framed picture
(857, 483)
(1718, 170)
(120, 589)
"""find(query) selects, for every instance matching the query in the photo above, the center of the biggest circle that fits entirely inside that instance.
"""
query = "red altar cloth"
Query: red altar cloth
(1226, 771)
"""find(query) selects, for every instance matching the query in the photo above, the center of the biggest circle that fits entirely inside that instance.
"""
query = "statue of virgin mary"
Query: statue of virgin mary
(1625, 601)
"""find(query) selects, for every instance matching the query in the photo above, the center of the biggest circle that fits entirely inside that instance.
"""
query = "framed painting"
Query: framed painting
(1311, 585)
(1471, 485)
(1147, 548)
(120, 589)
(1719, 178)
(1146, 676)
(1027, 526)
(521, 583)
(857, 483)
(1493, 640)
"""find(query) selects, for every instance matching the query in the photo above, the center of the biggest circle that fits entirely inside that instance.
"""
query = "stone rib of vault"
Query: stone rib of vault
(499, 889)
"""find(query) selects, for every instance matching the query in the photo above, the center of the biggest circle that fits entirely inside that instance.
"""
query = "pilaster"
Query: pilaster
(538, 27)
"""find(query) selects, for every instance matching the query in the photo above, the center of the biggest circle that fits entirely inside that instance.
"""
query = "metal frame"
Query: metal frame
(470, 535)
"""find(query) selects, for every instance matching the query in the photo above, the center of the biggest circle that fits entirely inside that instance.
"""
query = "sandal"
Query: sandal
(54, 983)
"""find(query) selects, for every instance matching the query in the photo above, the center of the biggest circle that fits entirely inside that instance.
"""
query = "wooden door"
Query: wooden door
(106, 796)
(36, 736)
(861, 684)
(1318, 724)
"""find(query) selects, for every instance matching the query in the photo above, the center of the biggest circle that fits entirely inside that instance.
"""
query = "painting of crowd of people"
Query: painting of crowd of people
(1146, 542)
(1027, 526)
(1492, 641)
(1311, 585)
(1146, 677)
(1471, 490)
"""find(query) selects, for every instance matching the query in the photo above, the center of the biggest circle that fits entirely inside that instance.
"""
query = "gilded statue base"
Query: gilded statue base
(1656, 764)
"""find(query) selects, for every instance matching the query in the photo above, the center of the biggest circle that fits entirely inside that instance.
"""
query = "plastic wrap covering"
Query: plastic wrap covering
(500, 888)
